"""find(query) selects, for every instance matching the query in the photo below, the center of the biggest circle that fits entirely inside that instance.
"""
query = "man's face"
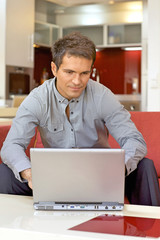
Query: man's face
(72, 76)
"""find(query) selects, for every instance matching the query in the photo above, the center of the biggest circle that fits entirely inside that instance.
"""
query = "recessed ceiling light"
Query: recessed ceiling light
(36, 45)
(111, 2)
(59, 11)
(132, 48)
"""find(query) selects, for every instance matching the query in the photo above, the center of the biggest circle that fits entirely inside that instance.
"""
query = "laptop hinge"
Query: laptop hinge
(79, 206)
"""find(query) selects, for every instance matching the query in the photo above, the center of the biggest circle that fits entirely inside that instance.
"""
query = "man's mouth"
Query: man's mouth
(75, 88)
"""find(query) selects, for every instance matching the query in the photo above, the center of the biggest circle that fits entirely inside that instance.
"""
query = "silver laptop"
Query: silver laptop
(78, 179)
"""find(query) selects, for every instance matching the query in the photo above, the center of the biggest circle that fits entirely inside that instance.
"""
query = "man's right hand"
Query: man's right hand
(27, 175)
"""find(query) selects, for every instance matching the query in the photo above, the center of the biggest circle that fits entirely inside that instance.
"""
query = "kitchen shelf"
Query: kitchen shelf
(104, 36)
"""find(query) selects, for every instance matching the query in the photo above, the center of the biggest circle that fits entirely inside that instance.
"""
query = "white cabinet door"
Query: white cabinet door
(95, 32)
(19, 33)
(124, 34)
(46, 33)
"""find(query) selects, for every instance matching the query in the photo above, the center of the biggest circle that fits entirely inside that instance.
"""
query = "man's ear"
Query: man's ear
(54, 68)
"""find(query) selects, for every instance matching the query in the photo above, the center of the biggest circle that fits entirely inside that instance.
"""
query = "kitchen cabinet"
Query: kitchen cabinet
(46, 34)
(19, 33)
(121, 35)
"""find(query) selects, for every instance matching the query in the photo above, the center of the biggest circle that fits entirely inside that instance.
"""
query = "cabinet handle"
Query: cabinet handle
(30, 48)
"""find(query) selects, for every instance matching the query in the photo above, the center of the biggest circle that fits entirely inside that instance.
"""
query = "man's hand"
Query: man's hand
(27, 175)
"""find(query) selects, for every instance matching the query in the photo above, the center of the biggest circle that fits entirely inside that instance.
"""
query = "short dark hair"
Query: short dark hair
(73, 44)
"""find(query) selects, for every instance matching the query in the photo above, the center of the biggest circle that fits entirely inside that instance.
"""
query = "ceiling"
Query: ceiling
(68, 3)
(59, 7)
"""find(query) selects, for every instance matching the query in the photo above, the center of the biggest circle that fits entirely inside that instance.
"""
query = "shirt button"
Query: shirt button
(71, 112)
(72, 129)
(55, 129)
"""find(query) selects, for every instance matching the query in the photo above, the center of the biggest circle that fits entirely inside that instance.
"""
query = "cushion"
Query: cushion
(3, 133)
(38, 142)
(148, 123)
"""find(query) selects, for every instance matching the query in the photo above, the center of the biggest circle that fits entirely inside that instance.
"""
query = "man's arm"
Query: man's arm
(120, 126)
(129, 138)
(22, 130)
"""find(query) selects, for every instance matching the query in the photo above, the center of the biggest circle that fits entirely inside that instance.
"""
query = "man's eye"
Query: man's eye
(86, 73)
(69, 72)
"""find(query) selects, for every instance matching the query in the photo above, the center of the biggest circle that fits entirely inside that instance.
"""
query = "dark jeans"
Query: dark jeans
(141, 186)
(10, 185)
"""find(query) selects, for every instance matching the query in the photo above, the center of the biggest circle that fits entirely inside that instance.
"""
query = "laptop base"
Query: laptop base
(105, 206)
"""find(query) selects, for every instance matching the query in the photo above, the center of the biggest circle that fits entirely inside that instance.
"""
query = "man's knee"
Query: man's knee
(10, 185)
(4, 171)
(146, 164)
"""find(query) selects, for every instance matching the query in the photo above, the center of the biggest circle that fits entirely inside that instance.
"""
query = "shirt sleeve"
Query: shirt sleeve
(19, 136)
(117, 120)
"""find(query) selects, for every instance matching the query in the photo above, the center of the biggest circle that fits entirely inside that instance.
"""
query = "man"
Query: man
(73, 111)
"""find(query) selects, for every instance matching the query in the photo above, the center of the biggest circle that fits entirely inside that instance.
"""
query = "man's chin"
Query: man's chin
(74, 95)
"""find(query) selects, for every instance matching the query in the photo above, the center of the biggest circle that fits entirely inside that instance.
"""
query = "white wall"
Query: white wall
(144, 60)
(16, 37)
(2, 48)
(153, 87)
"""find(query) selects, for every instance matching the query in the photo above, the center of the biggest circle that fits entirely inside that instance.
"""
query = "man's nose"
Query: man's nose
(77, 79)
